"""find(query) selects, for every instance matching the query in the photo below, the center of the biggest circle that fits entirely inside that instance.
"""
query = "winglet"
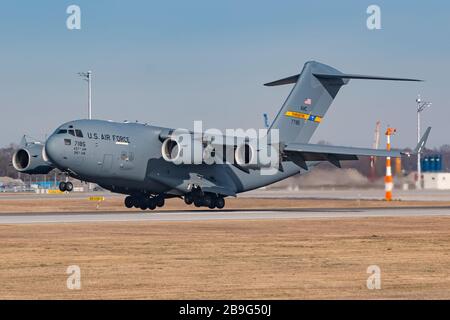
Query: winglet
(422, 141)
(420, 145)
(23, 141)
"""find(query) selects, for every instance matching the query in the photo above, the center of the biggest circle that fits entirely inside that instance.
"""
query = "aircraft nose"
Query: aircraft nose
(51, 148)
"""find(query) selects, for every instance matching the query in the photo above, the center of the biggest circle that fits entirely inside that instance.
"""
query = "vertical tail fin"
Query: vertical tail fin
(314, 90)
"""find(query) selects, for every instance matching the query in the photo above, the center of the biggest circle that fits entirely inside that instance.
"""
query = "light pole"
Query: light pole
(421, 105)
(87, 76)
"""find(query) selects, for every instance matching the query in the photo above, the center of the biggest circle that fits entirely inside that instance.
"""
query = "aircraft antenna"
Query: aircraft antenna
(266, 120)
(87, 76)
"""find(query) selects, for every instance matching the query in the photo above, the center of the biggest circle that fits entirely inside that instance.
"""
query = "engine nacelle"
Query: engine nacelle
(32, 159)
(247, 156)
(182, 149)
(171, 150)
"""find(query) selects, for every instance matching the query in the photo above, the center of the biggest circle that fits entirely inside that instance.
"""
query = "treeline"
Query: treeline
(6, 168)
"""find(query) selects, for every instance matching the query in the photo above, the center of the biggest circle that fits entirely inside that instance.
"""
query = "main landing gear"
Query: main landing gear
(65, 186)
(144, 202)
(209, 200)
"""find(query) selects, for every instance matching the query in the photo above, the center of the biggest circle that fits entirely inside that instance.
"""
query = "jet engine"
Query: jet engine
(32, 159)
(247, 156)
(171, 150)
(182, 149)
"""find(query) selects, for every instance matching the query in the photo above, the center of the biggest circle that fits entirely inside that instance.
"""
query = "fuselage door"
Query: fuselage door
(107, 162)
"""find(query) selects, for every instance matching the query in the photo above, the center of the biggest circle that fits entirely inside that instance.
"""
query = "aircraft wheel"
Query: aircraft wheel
(212, 204)
(62, 186)
(220, 203)
(152, 203)
(208, 201)
(69, 186)
(188, 199)
(143, 204)
(198, 202)
(129, 202)
(211, 201)
(160, 201)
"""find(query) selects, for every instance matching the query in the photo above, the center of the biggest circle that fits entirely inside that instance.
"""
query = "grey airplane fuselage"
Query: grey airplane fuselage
(127, 158)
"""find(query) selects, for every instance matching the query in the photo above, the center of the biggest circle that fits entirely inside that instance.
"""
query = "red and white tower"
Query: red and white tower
(388, 181)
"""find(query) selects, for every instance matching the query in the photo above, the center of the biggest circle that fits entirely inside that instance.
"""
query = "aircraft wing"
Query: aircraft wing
(206, 138)
(300, 153)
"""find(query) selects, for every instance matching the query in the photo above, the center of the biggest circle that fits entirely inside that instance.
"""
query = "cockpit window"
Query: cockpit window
(72, 132)
(61, 131)
(79, 133)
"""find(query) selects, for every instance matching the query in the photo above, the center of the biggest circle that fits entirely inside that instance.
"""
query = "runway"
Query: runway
(343, 194)
(329, 213)
(361, 194)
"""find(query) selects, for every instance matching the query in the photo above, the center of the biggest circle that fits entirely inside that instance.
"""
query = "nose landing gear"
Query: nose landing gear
(65, 186)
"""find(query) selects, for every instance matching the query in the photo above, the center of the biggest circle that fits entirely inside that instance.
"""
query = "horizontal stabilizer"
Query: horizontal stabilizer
(359, 76)
(288, 80)
(294, 79)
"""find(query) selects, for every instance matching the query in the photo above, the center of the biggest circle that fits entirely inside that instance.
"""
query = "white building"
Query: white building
(436, 180)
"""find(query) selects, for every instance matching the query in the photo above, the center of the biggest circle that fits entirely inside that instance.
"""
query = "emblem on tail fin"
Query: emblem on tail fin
(304, 116)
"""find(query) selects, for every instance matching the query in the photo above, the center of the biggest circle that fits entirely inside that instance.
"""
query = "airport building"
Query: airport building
(433, 177)
(436, 180)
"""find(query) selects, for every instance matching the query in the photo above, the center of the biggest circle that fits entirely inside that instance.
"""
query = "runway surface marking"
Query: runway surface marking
(328, 213)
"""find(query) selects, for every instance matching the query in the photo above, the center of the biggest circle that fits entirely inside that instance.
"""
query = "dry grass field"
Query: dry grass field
(268, 259)
(264, 259)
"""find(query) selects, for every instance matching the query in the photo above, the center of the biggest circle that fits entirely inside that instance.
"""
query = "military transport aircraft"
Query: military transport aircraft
(139, 160)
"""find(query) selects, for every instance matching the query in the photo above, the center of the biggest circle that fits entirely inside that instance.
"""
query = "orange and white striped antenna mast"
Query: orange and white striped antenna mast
(388, 181)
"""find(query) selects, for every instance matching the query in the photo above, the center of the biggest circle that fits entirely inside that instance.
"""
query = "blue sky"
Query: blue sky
(172, 62)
